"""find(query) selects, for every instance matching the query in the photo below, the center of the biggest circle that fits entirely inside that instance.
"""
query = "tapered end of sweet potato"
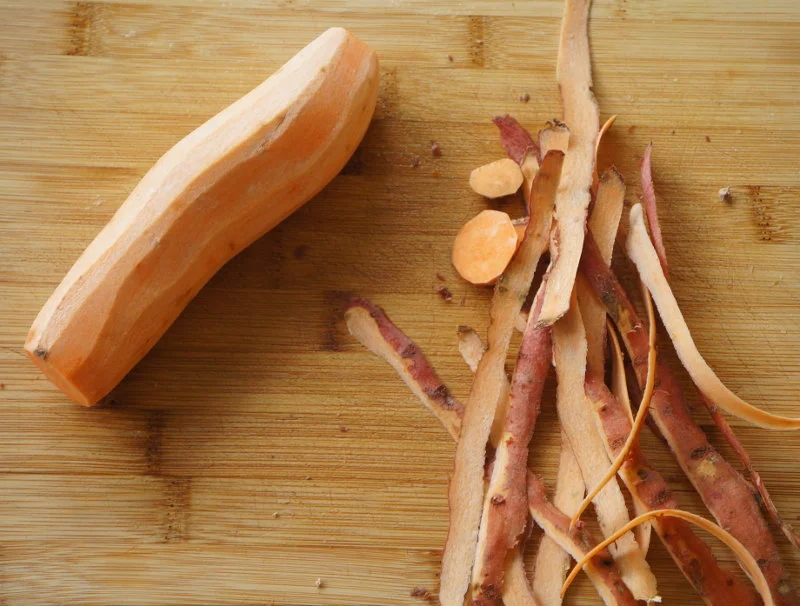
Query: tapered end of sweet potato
(484, 247)
(38, 353)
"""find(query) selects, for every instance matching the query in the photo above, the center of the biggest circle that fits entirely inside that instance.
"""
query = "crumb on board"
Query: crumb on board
(436, 151)
(421, 593)
(415, 161)
(445, 293)
(673, 131)
(344, 428)
(724, 194)
(450, 58)
(708, 139)
(525, 97)
(632, 129)
(439, 277)
(276, 515)
(319, 583)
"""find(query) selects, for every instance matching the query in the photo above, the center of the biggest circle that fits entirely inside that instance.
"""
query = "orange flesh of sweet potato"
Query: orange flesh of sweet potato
(466, 485)
(210, 196)
(497, 179)
(484, 247)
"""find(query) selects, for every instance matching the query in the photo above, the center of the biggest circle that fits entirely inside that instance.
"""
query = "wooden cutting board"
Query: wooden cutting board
(257, 449)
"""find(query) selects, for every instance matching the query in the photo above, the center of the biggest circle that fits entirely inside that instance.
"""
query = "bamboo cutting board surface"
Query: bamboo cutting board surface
(257, 448)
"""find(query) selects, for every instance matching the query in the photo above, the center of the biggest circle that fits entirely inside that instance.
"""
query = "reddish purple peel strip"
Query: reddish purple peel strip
(649, 202)
(724, 491)
(417, 363)
(504, 519)
(515, 139)
(769, 505)
(694, 558)
(601, 568)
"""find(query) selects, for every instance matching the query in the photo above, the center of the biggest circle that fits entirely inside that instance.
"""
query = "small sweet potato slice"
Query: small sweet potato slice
(484, 247)
(497, 179)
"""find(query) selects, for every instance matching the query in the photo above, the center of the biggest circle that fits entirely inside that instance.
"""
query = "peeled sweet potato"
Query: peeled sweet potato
(216, 191)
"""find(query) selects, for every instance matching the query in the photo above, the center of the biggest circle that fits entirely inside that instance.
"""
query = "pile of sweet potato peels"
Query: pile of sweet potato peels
(580, 312)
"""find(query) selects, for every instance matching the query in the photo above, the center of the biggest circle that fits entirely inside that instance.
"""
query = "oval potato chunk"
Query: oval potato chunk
(496, 179)
(484, 247)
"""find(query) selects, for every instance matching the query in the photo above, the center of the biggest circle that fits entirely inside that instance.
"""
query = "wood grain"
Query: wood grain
(257, 448)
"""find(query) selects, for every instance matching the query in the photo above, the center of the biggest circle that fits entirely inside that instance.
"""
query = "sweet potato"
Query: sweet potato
(210, 196)
(466, 485)
(484, 247)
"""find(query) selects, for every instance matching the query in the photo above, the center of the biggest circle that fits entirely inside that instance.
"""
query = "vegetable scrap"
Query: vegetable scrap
(581, 312)
(444, 293)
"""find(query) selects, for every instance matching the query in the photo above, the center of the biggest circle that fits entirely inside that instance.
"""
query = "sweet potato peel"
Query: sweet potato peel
(621, 401)
(718, 418)
(641, 251)
(515, 139)
(555, 135)
(364, 327)
(577, 421)
(603, 223)
(466, 486)
(581, 114)
(747, 561)
(650, 491)
(505, 508)
(552, 561)
(718, 484)
(769, 505)
(638, 422)
(372, 327)
(600, 566)
(555, 523)
(649, 201)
